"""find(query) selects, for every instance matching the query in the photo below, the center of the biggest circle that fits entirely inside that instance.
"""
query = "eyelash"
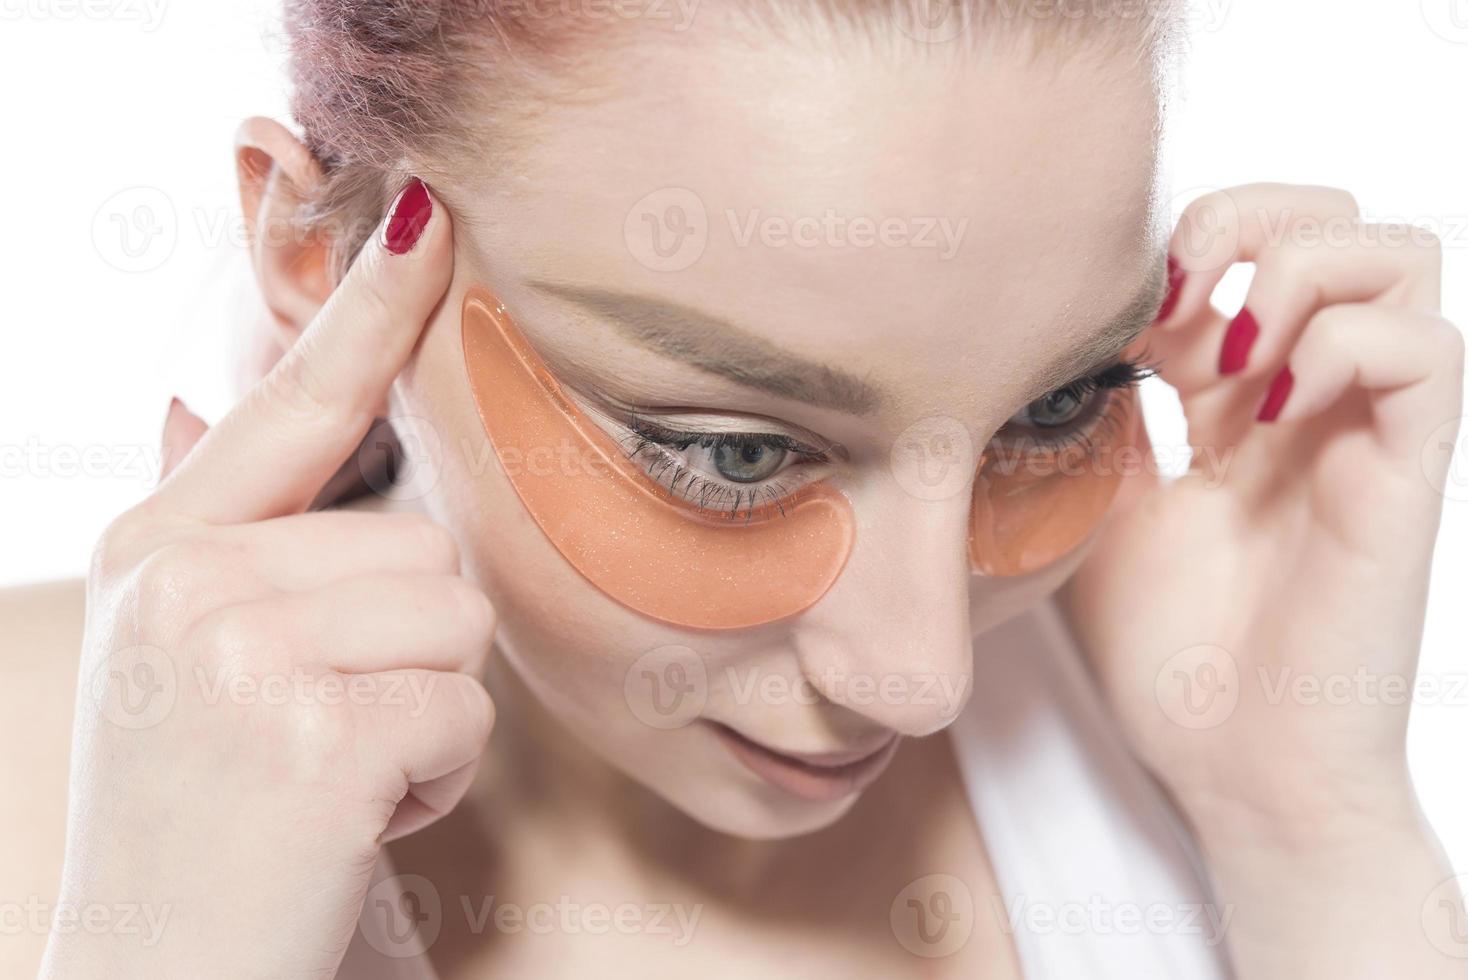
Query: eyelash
(658, 445)
(1124, 375)
(660, 442)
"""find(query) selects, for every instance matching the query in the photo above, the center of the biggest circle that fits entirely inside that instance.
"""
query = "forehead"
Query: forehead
(928, 212)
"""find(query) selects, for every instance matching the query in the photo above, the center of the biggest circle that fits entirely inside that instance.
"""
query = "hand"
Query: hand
(1256, 623)
(268, 695)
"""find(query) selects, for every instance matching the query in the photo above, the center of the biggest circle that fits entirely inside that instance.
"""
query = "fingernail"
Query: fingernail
(1279, 393)
(1176, 276)
(1237, 343)
(407, 218)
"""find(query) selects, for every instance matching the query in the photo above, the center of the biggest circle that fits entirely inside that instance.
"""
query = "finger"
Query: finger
(1219, 230)
(1252, 223)
(1410, 362)
(1395, 265)
(356, 626)
(182, 429)
(277, 448)
(437, 734)
(428, 801)
(308, 551)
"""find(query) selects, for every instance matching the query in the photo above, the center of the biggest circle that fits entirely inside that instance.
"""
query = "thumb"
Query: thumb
(181, 430)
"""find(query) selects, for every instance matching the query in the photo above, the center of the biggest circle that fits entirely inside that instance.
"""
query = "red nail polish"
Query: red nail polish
(1238, 342)
(1176, 276)
(1279, 393)
(407, 218)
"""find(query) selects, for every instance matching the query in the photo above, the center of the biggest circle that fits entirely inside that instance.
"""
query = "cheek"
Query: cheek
(566, 639)
(994, 601)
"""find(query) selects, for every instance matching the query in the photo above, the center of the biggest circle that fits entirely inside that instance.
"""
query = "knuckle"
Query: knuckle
(483, 708)
(169, 574)
(1449, 342)
(1216, 202)
(1293, 266)
(476, 609)
(293, 389)
(228, 639)
(362, 296)
(1329, 328)
(1427, 238)
(470, 706)
(322, 739)
(1427, 245)
(1317, 200)
(376, 307)
(1336, 200)
(441, 547)
(118, 545)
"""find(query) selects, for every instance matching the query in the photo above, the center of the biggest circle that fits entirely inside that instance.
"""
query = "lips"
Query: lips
(820, 777)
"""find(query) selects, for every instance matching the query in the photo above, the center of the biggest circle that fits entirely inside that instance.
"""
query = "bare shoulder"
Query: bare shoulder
(40, 647)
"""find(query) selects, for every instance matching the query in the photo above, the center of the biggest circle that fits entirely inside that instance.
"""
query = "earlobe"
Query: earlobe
(277, 176)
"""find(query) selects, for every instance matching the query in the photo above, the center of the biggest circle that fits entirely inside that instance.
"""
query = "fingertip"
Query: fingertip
(407, 217)
(1177, 276)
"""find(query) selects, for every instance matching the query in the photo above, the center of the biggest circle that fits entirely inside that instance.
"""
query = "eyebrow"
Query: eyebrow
(713, 344)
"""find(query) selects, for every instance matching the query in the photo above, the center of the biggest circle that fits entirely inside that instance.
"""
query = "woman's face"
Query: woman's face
(852, 252)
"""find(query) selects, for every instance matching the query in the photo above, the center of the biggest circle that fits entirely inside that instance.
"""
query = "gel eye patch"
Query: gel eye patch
(628, 535)
(1031, 509)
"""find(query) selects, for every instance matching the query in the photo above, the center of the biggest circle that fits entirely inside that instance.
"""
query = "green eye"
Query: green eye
(747, 462)
(1055, 410)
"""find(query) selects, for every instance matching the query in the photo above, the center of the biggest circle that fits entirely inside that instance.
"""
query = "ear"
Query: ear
(277, 175)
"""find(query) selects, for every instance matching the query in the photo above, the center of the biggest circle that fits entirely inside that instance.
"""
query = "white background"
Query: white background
(123, 111)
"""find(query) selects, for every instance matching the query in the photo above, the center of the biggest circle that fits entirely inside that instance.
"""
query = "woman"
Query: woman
(864, 295)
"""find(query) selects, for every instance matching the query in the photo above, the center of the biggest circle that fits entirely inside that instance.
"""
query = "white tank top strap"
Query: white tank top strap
(1099, 877)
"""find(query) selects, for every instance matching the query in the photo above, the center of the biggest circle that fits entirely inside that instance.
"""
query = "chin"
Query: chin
(742, 808)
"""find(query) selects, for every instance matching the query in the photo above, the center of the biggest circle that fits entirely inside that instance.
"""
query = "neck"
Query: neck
(560, 796)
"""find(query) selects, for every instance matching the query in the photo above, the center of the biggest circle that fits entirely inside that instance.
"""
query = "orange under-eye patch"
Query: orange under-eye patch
(1032, 508)
(647, 548)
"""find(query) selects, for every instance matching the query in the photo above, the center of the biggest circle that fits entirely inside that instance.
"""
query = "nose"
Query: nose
(891, 641)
